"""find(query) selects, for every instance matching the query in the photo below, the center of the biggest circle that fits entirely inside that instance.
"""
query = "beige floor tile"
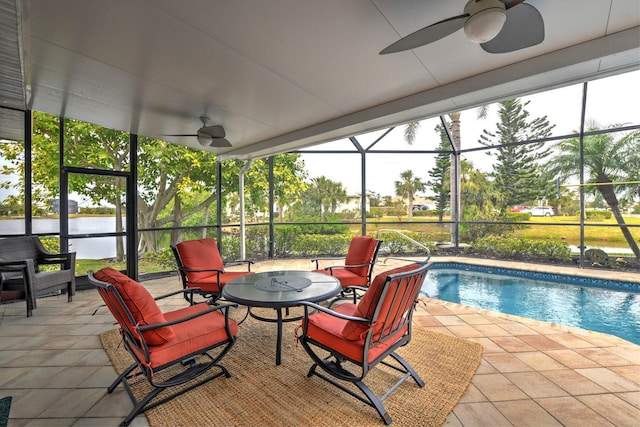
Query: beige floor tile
(631, 372)
(496, 387)
(526, 413)
(465, 331)
(609, 379)
(73, 403)
(474, 319)
(632, 397)
(571, 359)
(539, 361)
(473, 395)
(573, 413)
(488, 346)
(541, 342)
(480, 414)
(450, 320)
(518, 329)
(535, 385)
(512, 344)
(492, 330)
(571, 340)
(574, 383)
(614, 409)
(507, 362)
(602, 356)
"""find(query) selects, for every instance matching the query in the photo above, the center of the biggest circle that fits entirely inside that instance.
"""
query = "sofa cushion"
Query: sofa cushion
(140, 303)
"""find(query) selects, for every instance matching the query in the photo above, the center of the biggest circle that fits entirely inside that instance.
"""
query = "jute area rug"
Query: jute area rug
(259, 393)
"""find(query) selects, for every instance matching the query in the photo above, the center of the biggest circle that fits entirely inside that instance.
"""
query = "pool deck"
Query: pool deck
(532, 373)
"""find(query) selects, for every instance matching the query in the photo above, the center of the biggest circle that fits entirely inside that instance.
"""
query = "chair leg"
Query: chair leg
(374, 401)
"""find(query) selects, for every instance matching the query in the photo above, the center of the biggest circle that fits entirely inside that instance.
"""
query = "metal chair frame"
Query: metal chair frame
(350, 292)
(336, 366)
(182, 270)
(194, 365)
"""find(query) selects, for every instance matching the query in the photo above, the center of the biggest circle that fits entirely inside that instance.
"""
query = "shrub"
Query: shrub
(521, 249)
(597, 215)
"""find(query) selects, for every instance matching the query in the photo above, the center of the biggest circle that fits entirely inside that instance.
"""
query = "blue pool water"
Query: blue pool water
(608, 310)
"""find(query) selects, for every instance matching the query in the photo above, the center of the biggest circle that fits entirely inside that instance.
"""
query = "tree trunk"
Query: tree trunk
(609, 196)
(177, 220)
(119, 229)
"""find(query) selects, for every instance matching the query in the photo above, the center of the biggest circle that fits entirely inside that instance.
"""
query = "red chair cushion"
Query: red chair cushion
(191, 336)
(200, 254)
(327, 330)
(367, 304)
(140, 303)
(346, 277)
(360, 251)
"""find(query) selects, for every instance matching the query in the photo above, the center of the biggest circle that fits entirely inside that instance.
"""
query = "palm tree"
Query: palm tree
(610, 165)
(407, 188)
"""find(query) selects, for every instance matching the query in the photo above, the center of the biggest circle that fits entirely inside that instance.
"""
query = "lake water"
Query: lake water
(90, 248)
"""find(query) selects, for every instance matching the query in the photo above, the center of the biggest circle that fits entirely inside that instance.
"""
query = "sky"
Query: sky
(561, 106)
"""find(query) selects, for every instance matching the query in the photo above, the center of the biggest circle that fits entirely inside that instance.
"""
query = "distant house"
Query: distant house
(73, 206)
(352, 203)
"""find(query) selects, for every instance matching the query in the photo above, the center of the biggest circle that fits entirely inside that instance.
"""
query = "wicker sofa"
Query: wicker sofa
(21, 276)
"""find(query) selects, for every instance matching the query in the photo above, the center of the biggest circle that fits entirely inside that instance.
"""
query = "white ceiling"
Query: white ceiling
(283, 74)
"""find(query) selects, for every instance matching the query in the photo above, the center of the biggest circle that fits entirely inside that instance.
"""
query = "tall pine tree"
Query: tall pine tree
(439, 174)
(517, 176)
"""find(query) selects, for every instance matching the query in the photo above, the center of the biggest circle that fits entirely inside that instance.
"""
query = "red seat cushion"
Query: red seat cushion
(203, 254)
(367, 304)
(140, 303)
(191, 336)
(346, 277)
(327, 330)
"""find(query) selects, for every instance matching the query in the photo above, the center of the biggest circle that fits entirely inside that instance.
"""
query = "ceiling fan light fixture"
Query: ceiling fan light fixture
(204, 139)
(486, 19)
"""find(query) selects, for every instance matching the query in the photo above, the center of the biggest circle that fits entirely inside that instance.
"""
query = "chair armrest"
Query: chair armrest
(12, 266)
(316, 260)
(193, 270)
(179, 291)
(331, 267)
(240, 262)
(66, 259)
(185, 319)
(326, 310)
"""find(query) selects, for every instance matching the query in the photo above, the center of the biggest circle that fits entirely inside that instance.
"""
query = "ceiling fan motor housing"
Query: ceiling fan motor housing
(486, 18)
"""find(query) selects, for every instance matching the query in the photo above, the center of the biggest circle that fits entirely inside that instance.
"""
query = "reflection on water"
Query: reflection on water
(93, 248)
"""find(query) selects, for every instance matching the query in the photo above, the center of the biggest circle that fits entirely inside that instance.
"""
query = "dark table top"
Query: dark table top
(281, 288)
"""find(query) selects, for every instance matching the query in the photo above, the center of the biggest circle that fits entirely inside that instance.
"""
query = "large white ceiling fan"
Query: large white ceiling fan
(499, 26)
(209, 135)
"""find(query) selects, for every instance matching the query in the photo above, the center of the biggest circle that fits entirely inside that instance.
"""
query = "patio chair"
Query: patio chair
(201, 266)
(22, 275)
(358, 337)
(358, 265)
(170, 348)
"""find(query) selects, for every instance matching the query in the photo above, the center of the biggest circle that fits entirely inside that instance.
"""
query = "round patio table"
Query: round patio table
(278, 290)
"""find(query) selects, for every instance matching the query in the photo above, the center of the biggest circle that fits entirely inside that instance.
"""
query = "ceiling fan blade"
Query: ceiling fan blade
(510, 3)
(219, 143)
(523, 28)
(427, 34)
(214, 131)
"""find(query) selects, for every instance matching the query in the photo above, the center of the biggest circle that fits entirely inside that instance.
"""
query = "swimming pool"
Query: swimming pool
(605, 306)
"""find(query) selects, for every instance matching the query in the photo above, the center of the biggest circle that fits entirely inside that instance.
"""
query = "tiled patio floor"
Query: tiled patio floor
(532, 373)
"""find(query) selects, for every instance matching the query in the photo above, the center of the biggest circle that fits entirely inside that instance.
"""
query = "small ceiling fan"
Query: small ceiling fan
(499, 26)
(209, 136)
